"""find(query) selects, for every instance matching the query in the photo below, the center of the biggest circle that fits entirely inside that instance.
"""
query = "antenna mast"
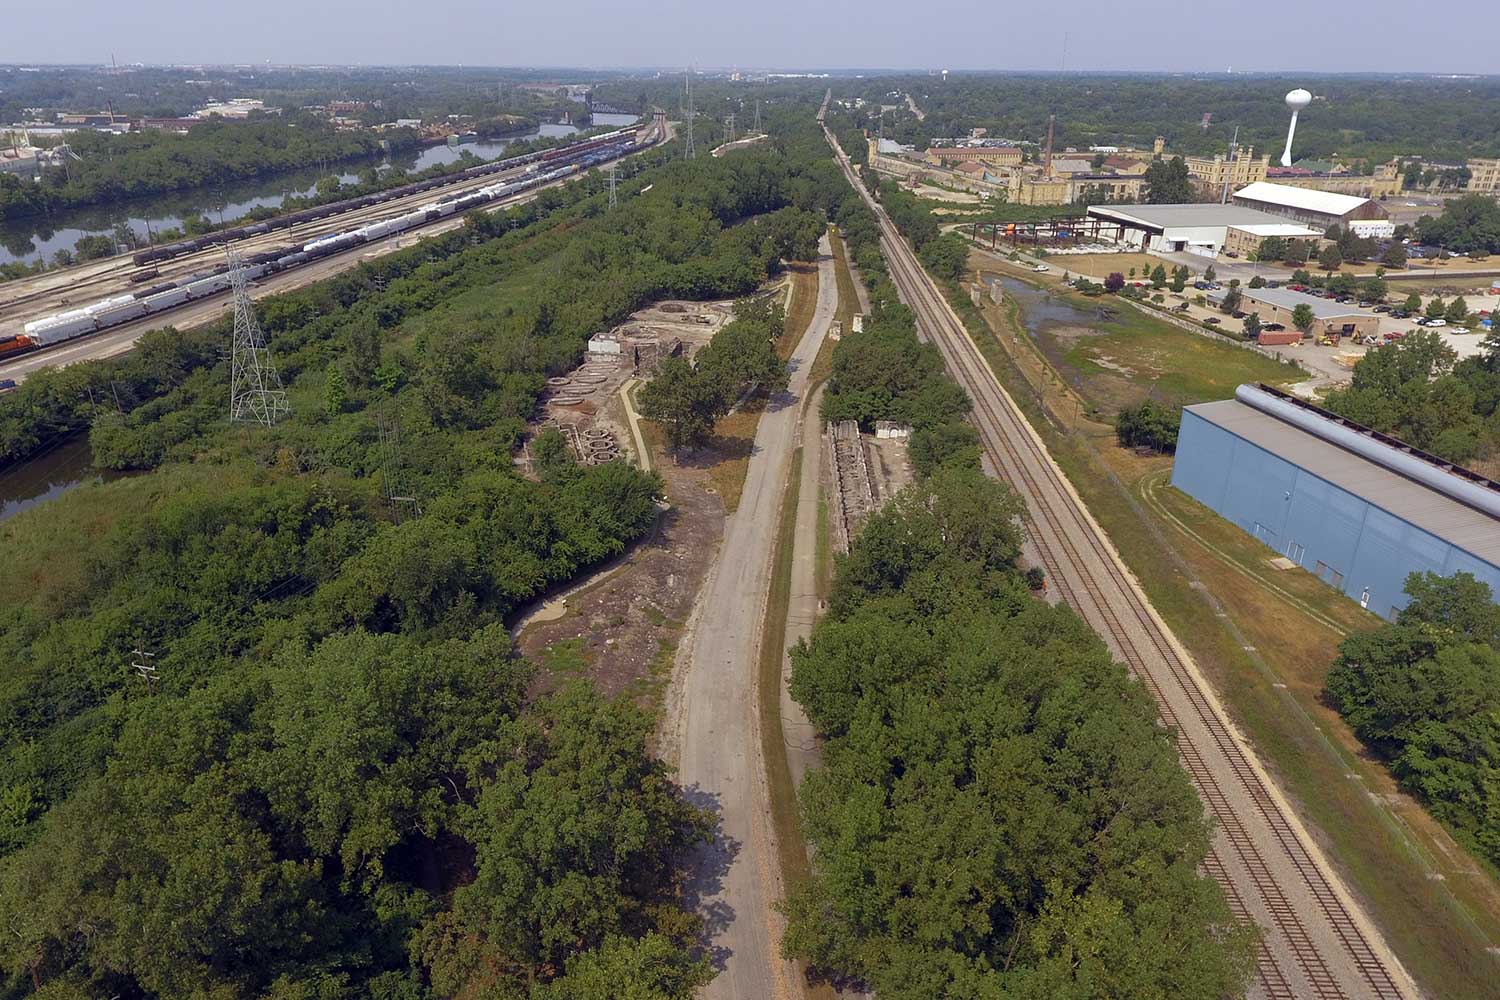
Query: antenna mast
(255, 390)
(688, 150)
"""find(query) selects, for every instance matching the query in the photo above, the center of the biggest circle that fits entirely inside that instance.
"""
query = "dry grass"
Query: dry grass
(733, 442)
(1099, 265)
(804, 303)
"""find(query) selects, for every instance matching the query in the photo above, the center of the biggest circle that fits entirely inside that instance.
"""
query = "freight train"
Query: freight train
(565, 154)
(159, 298)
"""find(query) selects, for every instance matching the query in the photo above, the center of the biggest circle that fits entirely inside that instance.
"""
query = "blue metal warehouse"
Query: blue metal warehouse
(1359, 509)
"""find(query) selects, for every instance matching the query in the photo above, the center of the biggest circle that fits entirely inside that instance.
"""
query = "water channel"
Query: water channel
(30, 240)
(49, 475)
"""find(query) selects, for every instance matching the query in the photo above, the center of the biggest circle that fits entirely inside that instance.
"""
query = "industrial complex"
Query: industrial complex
(1359, 510)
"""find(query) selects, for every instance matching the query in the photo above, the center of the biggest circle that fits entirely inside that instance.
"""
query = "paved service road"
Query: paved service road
(720, 765)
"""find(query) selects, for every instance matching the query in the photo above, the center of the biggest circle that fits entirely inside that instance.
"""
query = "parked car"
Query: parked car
(1231, 253)
(1383, 309)
(1274, 327)
(1273, 284)
(1212, 321)
(1399, 314)
(1040, 268)
(7, 384)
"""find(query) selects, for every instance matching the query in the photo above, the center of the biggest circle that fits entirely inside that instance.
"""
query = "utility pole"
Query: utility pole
(144, 668)
(255, 390)
(688, 150)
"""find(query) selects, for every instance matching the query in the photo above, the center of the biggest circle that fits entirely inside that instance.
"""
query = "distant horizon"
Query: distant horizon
(849, 72)
(875, 36)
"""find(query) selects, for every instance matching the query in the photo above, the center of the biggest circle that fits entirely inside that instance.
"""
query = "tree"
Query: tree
(1252, 326)
(1257, 282)
(1272, 248)
(1329, 258)
(1231, 301)
(1436, 309)
(335, 392)
(1209, 274)
(1114, 282)
(1374, 289)
(1457, 311)
(1413, 303)
(1468, 224)
(1394, 256)
(1150, 425)
(683, 402)
(550, 456)
(1168, 182)
(1158, 276)
(1302, 317)
(1297, 252)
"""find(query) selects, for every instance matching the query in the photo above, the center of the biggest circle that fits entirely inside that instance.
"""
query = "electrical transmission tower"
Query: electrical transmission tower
(687, 150)
(613, 200)
(255, 390)
(729, 127)
(388, 422)
(757, 116)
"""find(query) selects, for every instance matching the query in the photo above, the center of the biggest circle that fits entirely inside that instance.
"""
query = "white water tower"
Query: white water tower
(1296, 100)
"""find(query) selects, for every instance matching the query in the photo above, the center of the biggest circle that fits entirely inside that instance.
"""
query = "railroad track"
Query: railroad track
(1314, 944)
(117, 270)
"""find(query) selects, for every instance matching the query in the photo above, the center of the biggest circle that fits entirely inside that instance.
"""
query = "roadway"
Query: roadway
(738, 876)
(18, 305)
(1317, 941)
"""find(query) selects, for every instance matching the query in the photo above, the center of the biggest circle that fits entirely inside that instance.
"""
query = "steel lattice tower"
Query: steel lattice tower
(612, 199)
(255, 390)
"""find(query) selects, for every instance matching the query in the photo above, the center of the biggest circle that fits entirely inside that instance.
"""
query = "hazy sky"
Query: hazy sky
(1378, 35)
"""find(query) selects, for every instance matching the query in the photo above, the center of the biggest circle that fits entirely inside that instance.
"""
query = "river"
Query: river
(30, 240)
(49, 475)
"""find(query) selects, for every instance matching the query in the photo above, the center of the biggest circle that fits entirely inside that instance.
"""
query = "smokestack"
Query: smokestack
(1047, 160)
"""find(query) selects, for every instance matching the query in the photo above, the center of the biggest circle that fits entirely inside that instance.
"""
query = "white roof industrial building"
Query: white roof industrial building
(1318, 208)
(1200, 229)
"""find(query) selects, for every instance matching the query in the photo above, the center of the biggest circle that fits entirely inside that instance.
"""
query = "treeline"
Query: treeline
(117, 167)
(884, 372)
(1469, 224)
(1372, 118)
(1416, 389)
(326, 777)
(998, 812)
(1424, 694)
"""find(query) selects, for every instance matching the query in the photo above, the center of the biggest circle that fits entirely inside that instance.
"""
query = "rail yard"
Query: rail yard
(52, 312)
(1317, 940)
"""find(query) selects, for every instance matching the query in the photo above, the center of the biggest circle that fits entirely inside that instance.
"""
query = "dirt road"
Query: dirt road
(718, 733)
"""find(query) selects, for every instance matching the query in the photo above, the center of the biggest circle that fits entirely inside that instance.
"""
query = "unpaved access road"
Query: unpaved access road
(717, 726)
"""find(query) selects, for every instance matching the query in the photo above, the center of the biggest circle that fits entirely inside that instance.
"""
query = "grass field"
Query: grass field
(1098, 266)
(1265, 639)
(1129, 356)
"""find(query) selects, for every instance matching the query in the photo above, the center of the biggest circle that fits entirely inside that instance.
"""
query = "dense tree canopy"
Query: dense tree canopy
(998, 812)
(1416, 390)
(335, 782)
(1424, 693)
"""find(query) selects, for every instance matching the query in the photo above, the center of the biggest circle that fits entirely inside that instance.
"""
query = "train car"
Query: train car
(205, 287)
(16, 343)
(56, 329)
(120, 312)
(167, 299)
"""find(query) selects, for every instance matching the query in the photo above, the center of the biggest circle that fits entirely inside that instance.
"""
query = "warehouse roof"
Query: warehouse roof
(1283, 229)
(1459, 524)
(1305, 199)
(1288, 299)
(1186, 216)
